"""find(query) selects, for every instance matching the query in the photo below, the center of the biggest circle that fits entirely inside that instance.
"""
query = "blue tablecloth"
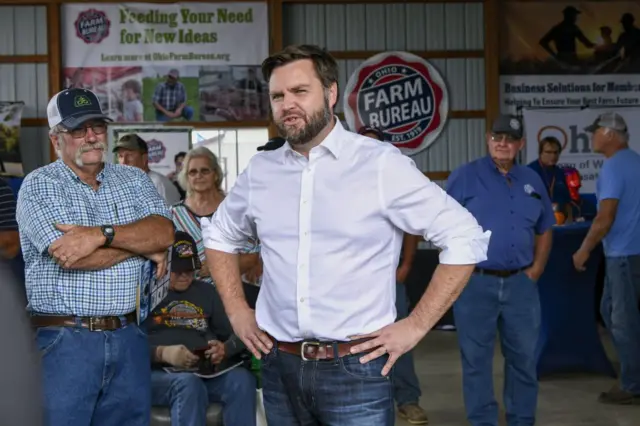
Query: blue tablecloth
(569, 340)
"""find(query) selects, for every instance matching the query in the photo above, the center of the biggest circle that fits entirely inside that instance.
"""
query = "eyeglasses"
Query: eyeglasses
(97, 128)
(495, 137)
(194, 172)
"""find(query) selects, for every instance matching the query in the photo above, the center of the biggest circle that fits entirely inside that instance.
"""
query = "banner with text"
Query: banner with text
(167, 62)
(569, 54)
(577, 149)
(10, 155)
(164, 144)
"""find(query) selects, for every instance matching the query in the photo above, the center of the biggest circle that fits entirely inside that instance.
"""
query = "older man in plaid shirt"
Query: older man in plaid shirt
(86, 227)
(170, 99)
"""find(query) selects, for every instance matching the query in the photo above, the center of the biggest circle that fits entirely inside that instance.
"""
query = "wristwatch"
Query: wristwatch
(109, 233)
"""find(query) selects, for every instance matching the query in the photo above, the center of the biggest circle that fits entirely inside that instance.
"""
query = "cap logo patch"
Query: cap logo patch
(183, 249)
(514, 124)
(81, 101)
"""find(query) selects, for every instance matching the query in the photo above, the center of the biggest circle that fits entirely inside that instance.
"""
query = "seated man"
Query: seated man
(192, 317)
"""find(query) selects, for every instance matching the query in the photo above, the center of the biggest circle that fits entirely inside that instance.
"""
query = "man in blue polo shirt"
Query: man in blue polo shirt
(510, 201)
(617, 225)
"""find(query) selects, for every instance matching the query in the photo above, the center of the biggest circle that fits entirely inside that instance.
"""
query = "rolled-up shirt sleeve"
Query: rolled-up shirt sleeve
(418, 206)
(232, 226)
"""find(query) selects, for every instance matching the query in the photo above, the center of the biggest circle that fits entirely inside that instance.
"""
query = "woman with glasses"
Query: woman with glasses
(201, 177)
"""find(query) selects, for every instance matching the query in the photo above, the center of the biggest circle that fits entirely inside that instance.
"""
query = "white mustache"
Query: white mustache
(95, 146)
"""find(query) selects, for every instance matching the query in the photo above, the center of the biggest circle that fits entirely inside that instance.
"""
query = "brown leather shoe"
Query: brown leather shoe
(618, 396)
(413, 414)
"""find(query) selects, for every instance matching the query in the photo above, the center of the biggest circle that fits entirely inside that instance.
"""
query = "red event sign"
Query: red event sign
(401, 94)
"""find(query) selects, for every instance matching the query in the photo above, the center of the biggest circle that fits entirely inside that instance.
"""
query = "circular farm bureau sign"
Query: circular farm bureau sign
(403, 95)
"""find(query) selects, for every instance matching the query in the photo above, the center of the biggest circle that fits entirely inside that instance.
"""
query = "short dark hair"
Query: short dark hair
(178, 155)
(324, 64)
(549, 140)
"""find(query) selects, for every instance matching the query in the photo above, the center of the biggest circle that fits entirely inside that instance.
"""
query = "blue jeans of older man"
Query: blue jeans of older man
(189, 396)
(98, 378)
(405, 382)
(511, 306)
(620, 308)
(338, 392)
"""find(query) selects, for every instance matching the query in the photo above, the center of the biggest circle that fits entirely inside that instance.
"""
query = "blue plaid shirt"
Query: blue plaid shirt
(170, 96)
(54, 194)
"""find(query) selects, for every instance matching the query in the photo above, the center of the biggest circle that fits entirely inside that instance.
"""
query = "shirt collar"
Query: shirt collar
(71, 174)
(513, 173)
(333, 143)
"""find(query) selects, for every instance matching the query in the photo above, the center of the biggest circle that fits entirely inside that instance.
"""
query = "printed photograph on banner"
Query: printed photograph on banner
(119, 89)
(171, 94)
(10, 155)
(147, 60)
(581, 37)
(567, 126)
(233, 93)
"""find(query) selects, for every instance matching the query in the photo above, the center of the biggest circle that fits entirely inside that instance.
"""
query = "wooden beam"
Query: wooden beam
(429, 54)
(24, 59)
(34, 122)
(214, 124)
(276, 29)
(54, 44)
(437, 175)
(492, 59)
(378, 1)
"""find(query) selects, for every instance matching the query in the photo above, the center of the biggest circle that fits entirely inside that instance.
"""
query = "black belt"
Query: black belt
(500, 273)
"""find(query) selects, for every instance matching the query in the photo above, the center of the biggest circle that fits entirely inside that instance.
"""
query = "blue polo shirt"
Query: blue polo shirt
(618, 179)
(554, 181)
(514, 212)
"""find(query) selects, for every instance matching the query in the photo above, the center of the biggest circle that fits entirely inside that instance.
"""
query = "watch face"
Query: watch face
(108, 230)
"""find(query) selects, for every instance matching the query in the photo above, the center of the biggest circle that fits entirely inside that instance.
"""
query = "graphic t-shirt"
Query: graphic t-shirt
(192, 318)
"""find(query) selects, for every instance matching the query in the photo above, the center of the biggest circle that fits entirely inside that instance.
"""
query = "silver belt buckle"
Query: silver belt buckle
(93, 325)
(303, 346)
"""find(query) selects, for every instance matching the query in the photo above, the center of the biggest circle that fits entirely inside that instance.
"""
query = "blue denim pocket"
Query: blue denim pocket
(48, 337)
(372, 370)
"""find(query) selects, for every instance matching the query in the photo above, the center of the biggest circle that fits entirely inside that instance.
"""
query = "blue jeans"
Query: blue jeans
(187, 114)
(512, 307)
(620, 308)
(189, 396)
(340, 392)
(95, 378)
(405, 382)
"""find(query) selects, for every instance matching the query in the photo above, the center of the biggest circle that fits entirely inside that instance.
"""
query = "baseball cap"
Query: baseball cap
(133, 142)
(610, 120)
(72, 107)
(507, 124)
(369, 129)
(184, 253)
(173, 73)
(273, 144)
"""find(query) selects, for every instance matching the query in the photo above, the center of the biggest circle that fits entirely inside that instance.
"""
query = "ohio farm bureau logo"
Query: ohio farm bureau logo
(157, 151)
(92, 26)
(403, 95)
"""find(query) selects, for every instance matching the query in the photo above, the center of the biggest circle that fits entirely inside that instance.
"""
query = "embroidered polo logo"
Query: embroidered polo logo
(81, 101)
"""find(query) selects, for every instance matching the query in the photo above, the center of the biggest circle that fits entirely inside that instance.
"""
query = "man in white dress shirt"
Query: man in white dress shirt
(330, 208)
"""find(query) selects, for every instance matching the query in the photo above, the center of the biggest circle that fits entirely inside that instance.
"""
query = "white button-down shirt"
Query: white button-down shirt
(331, 229)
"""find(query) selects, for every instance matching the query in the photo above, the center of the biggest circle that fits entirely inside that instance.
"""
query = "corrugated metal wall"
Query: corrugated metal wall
(23, 31)
(412, 27)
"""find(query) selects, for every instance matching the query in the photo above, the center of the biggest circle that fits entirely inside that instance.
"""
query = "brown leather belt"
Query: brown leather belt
(310, 350)
(92, 323)
(499, 273)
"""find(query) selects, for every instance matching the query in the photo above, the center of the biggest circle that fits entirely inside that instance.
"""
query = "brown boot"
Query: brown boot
(413, 414)
(618, 396)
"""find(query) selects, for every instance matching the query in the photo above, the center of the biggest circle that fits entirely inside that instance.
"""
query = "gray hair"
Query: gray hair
(200, 152)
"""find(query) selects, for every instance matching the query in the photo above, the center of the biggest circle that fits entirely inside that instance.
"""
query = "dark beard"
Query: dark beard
(314, 126)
